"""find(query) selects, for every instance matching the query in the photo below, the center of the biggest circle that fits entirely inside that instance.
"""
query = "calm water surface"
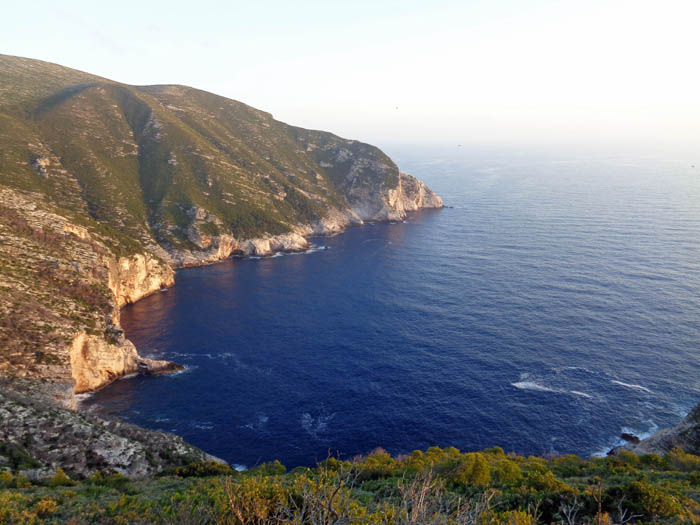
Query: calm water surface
(556, 305)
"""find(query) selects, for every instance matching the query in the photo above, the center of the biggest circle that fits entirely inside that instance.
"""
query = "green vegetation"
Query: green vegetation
(139, 160)
(441, 486)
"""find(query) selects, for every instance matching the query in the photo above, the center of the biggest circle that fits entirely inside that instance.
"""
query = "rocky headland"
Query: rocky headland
(105, 190)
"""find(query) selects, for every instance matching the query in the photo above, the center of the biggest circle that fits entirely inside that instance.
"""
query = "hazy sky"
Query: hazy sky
(491, 71)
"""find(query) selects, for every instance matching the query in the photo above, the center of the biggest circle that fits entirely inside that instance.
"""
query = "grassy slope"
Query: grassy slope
(138, 158)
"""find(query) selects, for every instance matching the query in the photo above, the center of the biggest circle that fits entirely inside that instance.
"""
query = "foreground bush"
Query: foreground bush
(438, 486)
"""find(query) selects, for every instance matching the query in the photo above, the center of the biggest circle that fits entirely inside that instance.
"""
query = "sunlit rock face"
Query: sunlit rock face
(96, 363)
(134, 277)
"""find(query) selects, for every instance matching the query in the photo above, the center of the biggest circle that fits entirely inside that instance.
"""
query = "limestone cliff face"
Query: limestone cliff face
(367, 201)
(416, 195)
(131, 278)
(62, 289)
(223, 246)
(96, 363)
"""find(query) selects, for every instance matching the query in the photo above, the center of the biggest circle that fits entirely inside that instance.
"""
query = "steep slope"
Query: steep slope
(105, 187)
(49, 436)
(60, 291)
(189, 174)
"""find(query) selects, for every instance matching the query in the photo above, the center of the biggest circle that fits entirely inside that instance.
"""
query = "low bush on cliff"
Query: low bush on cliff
(201, 470)
(440, 486)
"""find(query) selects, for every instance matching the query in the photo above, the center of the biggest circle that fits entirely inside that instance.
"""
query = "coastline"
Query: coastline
(302, 246)
(607, 444)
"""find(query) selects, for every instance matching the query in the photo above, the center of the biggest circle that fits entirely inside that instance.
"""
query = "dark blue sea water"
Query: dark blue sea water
(554, 306)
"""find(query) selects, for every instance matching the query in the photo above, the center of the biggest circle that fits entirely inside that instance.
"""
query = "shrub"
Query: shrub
(45, 507)
(507, 472)
(546, 482)
(680, 460)
(473, 470)
(568, 465)
(113, 480)
(273, 468)
(22, 482)
(60, 479)
(252, 500)
(6, 479)
(629, 457)
(512, 517)
(651, 460)
(203, 469)
(651, 501)
(17, 456)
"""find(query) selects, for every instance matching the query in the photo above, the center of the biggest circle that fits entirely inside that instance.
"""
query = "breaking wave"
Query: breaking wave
(530, 385)
(632, 386)
(314, 426)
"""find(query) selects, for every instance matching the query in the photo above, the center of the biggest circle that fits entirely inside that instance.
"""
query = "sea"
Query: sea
(552, 306)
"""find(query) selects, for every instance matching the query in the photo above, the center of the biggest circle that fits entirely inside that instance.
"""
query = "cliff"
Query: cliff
(62, 290)
(134, 277)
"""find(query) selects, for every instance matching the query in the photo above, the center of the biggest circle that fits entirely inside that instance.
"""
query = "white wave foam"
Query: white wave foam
(633, 386)
(258, 424)
(240, 468)
(82, 397)
(531, 385)
(642, 435)
(315, 425)
(574, 368)
(581, 394)
(617, 441)
(313, 249)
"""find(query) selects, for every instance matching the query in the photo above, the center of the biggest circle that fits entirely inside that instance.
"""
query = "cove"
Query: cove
(554, 306)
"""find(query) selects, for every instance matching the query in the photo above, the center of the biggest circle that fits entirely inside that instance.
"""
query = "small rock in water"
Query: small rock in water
(630, 438)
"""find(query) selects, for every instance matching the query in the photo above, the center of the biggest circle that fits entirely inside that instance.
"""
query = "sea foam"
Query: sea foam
(632, 386)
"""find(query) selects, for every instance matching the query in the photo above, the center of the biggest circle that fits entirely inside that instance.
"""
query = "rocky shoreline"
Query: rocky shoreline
(685, 435)
(46, 429)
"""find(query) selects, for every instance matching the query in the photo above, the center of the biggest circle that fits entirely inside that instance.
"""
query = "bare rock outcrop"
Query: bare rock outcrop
(416, 195)
(288, 242)
(50, 436)
(131, 278)
(685, 435)
(96, 362)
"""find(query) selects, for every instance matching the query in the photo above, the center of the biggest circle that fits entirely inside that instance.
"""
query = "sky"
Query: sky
(539, 72)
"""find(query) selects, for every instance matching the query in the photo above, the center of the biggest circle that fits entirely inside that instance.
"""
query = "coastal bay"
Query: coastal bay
(510, 319)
